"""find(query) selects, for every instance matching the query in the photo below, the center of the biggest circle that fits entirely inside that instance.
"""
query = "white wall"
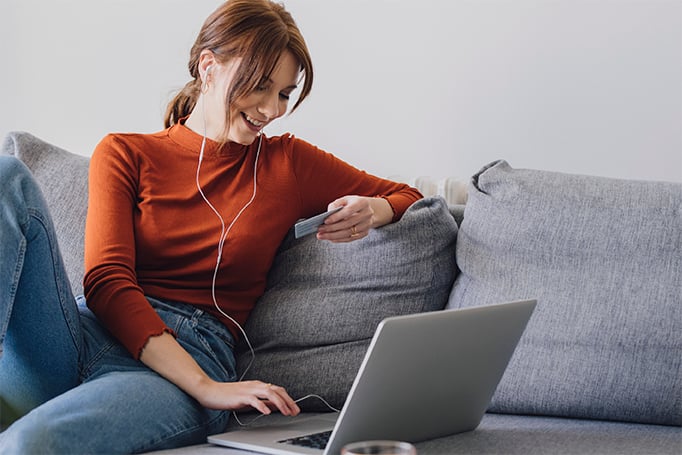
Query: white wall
(426, 87)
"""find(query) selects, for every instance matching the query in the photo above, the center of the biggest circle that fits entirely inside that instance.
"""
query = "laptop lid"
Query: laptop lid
(424, 376)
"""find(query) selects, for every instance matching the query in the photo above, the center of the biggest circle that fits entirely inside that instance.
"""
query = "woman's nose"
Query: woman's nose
(269, 106)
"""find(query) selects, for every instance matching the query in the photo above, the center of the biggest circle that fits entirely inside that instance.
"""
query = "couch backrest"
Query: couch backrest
(604, 259)
(323, 301)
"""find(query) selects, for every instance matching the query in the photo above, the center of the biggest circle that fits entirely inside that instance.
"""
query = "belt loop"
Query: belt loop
(196, 316)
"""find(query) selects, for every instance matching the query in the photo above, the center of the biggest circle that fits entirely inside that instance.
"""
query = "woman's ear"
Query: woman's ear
(207, 63)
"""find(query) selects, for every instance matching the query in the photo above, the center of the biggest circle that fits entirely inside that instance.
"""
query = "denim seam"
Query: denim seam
(181, 320)
(85, 372)
(59, 280)
(13, 291)
(209, 350)
(192, 323)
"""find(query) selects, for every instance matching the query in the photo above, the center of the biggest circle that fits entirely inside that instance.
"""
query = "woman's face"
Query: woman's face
(251, 113)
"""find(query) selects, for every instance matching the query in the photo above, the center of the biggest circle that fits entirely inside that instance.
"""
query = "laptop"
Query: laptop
(424, 376)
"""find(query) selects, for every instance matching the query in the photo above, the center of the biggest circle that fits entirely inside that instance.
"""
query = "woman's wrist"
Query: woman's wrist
(383, 212)
(167, 357)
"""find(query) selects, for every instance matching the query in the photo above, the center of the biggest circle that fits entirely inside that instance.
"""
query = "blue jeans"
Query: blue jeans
(80, 390)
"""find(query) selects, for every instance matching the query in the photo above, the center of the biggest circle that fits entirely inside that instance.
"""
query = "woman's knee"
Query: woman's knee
(36, 432)
(20, 190)
(13, 170)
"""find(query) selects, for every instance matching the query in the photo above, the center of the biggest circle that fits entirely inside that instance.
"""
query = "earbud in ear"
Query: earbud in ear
(204, 83)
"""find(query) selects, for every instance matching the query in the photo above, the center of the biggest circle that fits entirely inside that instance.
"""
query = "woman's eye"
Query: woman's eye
(284, 96)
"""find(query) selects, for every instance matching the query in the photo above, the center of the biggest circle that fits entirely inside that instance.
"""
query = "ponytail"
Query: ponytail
(183, 103)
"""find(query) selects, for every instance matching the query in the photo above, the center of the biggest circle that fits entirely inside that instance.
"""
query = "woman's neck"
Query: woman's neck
(203, 125)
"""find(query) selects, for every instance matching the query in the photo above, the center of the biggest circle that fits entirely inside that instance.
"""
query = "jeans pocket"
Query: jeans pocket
(207, 340)
(102, 353)
(222, 365)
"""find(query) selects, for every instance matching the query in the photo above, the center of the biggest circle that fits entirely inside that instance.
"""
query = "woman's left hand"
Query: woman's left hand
(353, 222)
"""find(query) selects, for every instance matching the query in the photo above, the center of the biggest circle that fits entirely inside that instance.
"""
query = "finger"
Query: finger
(352, 206)
(346, 233)
(290, 406)
(256, 396)
(356, 222)
(341, 214)
(344, 237)
(259, 405)
(271, 394)
(280, 399)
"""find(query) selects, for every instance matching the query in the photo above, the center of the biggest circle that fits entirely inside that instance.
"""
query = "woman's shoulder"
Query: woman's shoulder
(292, 145)
(132, 139)
(129, 144)
(124, 151)
(283, 140)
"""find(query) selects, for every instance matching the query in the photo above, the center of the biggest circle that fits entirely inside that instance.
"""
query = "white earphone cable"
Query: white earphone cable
(224, 232)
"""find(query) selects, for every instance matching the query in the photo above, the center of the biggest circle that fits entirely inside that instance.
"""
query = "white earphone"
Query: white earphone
(224, 232)
(221, 242)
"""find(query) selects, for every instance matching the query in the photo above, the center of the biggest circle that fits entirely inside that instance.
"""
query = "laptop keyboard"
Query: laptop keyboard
(314, 441)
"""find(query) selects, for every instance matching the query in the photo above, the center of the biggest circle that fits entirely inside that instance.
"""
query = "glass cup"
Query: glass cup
(379, 448)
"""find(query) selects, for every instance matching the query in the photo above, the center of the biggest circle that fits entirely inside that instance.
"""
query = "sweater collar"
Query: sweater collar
(191, 140)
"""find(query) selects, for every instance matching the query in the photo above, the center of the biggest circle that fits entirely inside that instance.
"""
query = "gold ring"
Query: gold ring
(353, 231)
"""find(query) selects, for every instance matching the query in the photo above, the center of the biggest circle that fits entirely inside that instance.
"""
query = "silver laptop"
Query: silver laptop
(424, 376)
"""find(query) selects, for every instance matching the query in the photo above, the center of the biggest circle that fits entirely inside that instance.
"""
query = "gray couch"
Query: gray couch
(598, 369)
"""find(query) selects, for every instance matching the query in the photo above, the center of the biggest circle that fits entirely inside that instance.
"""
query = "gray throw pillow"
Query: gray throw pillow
(63, 178)
(604, 259)
(323, 301)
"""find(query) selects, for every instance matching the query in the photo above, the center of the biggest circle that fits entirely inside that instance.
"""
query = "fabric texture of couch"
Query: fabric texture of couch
(604, 259)
(598, 369)
(312, 326)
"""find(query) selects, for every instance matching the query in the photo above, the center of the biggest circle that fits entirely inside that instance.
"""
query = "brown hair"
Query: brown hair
(258, 31)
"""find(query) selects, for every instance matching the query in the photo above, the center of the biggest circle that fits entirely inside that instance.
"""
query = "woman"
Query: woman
(182, 228)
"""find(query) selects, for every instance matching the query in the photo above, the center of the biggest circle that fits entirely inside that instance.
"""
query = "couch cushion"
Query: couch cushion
(63, 178)
(604, 259)
(323, 301)
(524, 435)
(521, 435)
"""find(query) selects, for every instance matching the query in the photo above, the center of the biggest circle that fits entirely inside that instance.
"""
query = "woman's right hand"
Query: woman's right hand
(164, 355)
(263, 397)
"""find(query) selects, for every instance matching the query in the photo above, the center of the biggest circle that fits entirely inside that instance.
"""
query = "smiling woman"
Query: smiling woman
(244, 118)
(182, 228)
(234, 70)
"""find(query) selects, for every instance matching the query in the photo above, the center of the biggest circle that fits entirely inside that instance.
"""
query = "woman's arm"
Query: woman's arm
(368, 201)
(164, 355)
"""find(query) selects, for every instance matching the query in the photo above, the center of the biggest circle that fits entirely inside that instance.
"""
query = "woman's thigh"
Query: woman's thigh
(122, 406)
(118, 412)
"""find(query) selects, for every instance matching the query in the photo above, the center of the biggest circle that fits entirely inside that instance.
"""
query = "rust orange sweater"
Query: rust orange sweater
(149, 232)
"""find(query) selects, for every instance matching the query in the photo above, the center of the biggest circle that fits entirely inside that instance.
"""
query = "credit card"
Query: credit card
(310, 225)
